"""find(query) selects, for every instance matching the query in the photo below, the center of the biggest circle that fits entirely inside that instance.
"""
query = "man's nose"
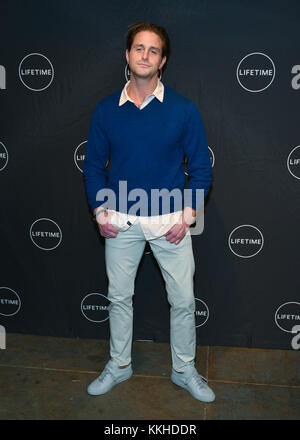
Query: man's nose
(145, 54)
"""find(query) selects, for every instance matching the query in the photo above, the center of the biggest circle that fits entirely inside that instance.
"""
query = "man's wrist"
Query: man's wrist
(98, 211)
(189, 215)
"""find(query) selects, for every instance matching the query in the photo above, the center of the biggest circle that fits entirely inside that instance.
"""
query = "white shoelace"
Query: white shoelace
(105, 373)
(198, 379)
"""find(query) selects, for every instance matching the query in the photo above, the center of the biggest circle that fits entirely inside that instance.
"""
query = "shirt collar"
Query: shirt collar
(158, 93)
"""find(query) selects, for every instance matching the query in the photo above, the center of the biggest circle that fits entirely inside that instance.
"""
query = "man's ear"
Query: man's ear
(163, 62)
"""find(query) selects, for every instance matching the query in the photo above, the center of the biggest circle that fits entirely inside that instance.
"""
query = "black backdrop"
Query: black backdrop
(239, 61)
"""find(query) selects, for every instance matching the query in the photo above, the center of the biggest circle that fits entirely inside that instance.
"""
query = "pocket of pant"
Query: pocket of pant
(121, 226)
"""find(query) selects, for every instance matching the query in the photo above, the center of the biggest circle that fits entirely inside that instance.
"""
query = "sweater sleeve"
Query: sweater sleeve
(96, 157)
(195, 148)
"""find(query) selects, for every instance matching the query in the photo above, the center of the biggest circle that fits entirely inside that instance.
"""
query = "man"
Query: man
(145, 131)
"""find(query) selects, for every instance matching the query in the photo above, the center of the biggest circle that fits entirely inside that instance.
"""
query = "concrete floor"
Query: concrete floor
(46, 378)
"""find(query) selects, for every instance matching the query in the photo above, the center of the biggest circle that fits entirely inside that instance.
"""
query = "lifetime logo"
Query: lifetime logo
(201, 312)
(2, 78)
(10, 302)
(3, 156)
(45, 234)
(2, 337)
(79, 155)
(95, 307)
(287, 315)
(255, 72)
(246, 241)
(36, 72)
(293, 162)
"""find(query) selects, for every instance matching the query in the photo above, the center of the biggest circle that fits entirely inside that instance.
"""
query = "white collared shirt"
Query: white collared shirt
(158, 93)
(154, 226)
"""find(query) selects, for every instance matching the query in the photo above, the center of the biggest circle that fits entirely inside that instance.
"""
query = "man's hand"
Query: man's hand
(178, 231)
(106, 229)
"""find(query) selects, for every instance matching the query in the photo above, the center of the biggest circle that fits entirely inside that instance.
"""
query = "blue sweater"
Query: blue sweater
(145, 149)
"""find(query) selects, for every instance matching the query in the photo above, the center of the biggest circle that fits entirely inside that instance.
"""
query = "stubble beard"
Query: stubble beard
(138, 75)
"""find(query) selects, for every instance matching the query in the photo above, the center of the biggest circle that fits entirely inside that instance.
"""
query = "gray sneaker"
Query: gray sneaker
(194, 383)
(110, 376)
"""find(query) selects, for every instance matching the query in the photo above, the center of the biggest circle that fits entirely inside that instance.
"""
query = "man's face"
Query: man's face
(145, 55)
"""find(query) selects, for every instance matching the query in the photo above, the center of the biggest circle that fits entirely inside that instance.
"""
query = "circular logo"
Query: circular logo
(79, 155)
(45, 234)
(293, 162)
(255, 72)
(36, 72)
(3, 156)
(95, 307)
(10, 302)
(212, 157)
(201, 312)
(287, 316)
(245, 241)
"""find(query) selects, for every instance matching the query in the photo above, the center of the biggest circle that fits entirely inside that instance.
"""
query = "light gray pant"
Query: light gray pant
(122, 255)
